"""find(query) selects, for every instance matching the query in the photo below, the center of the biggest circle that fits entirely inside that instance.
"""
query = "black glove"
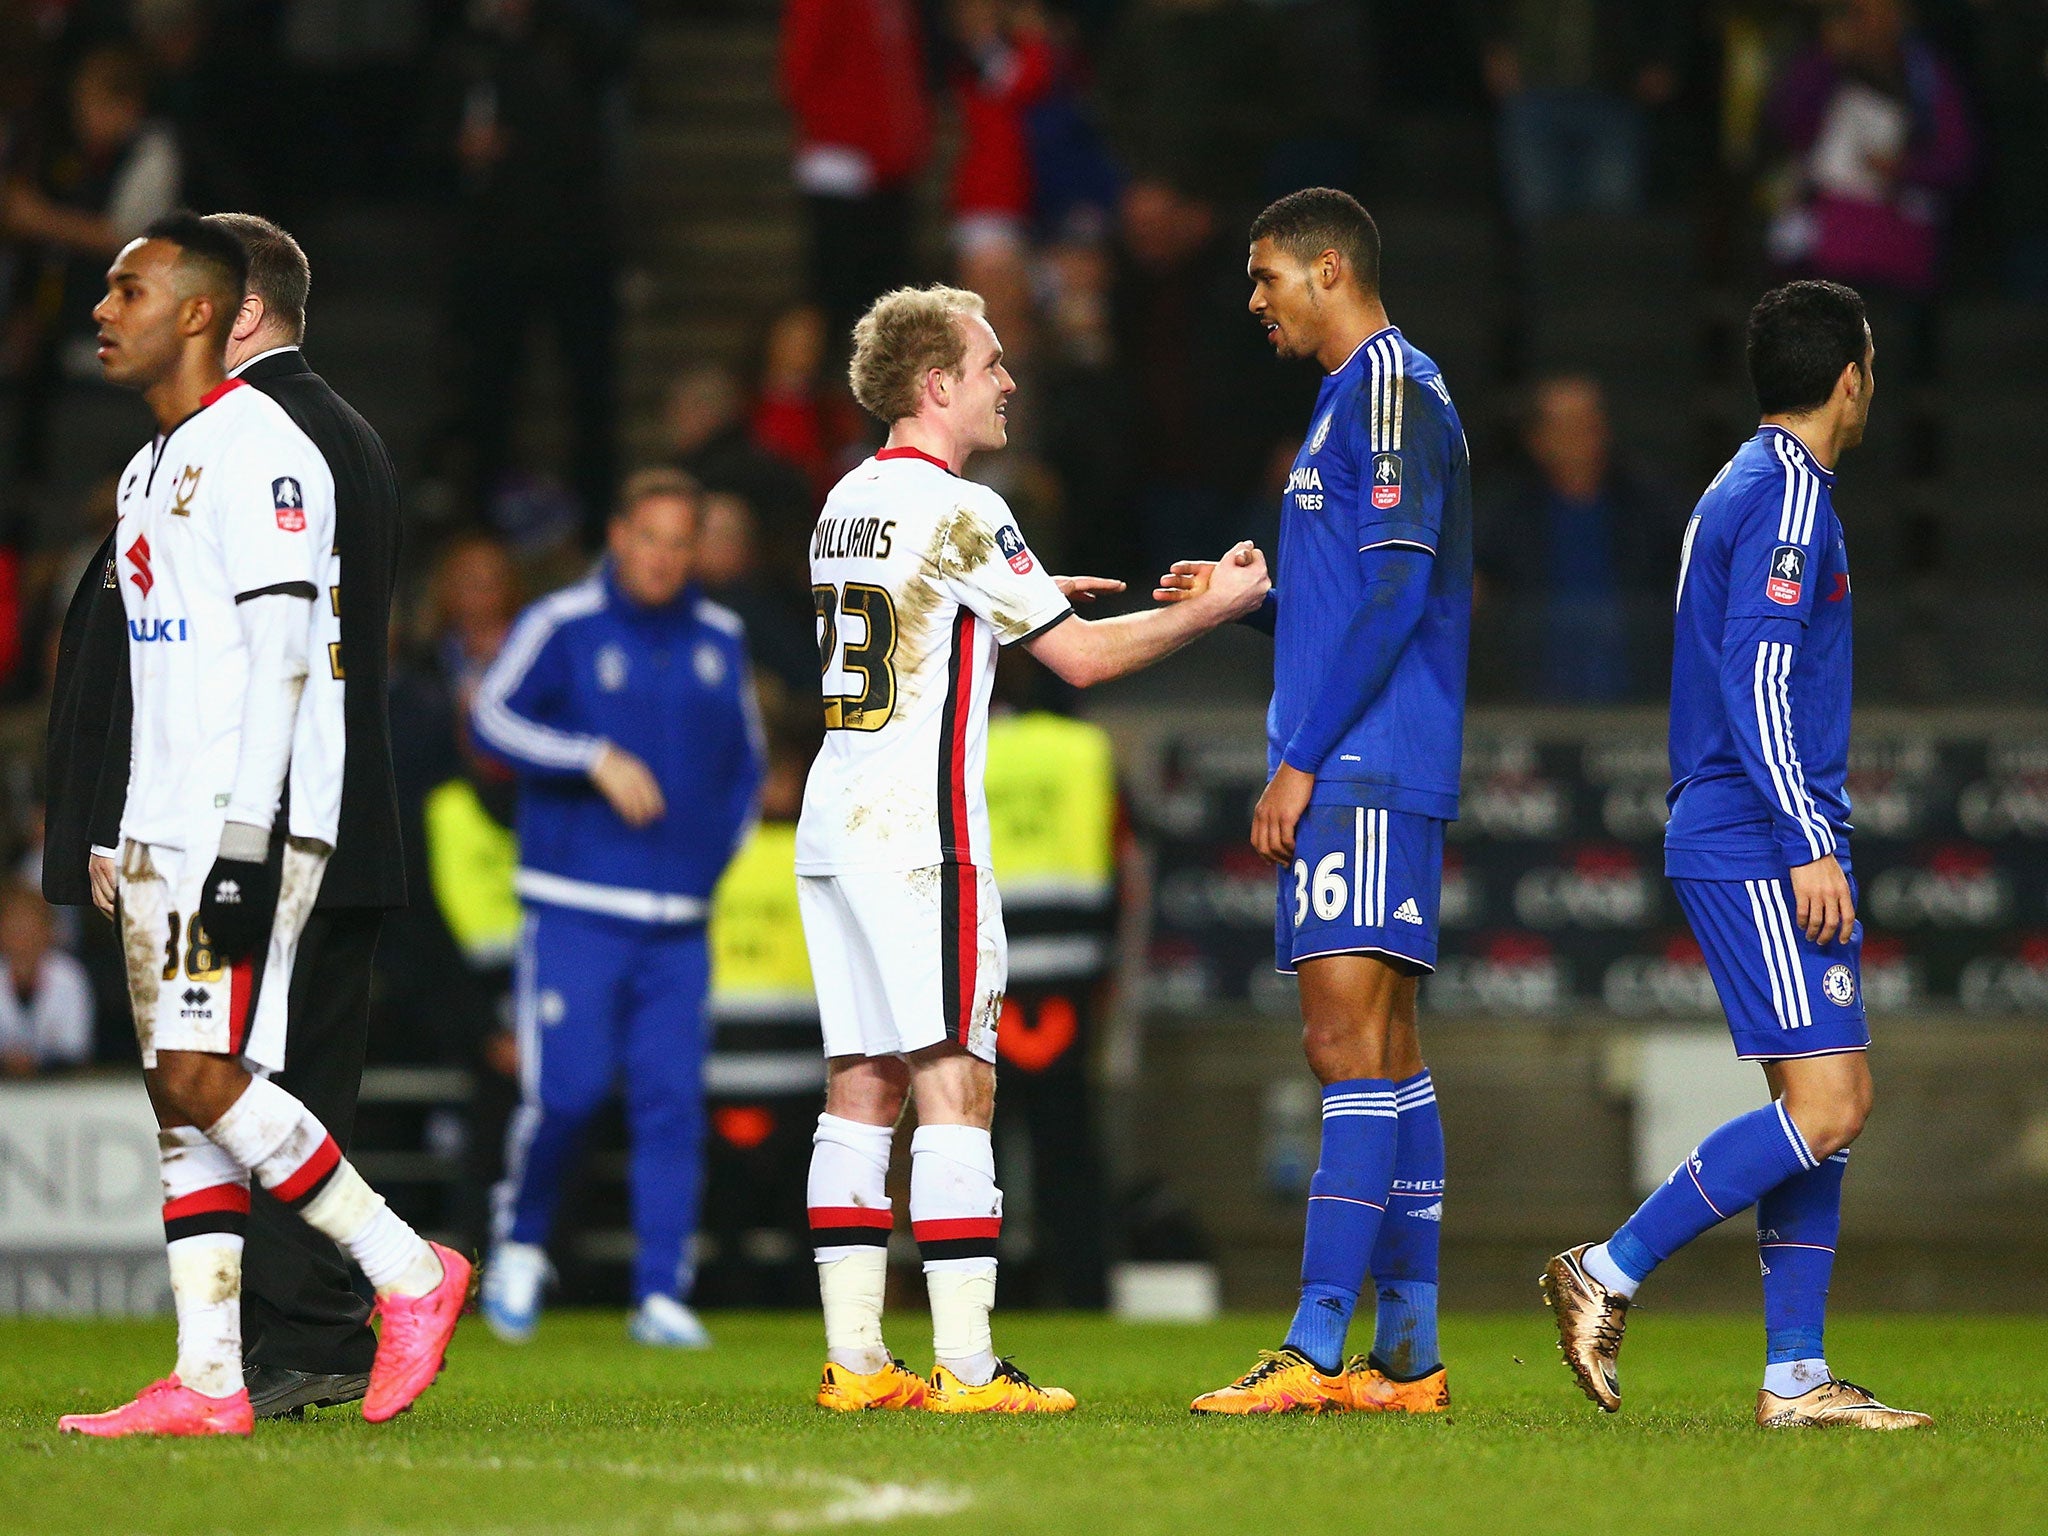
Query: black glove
(236, 908)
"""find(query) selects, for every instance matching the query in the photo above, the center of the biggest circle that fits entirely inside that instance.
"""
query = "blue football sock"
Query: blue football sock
(1404, 1259)
(1728, 1172)
(1796, 1227)
(1345, 1201)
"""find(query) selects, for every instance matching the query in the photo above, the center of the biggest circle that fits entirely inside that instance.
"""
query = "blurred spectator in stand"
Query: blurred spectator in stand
(1001, 66)
(1875, 122)
(1575, 80)
(1081, 409)
(708, 437)
(446, 996)
(2014, 54)
(523, 113)
(1075, 181)
(45, 998)
(853, 78)
(1577, 555)
(781, 623)
(1206, 399)
(86, 179)
(789, 418)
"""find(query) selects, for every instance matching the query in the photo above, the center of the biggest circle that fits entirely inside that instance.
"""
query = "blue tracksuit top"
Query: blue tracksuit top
(586, 666)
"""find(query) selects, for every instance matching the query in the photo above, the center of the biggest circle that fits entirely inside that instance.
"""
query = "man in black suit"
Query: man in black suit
(305, 1331)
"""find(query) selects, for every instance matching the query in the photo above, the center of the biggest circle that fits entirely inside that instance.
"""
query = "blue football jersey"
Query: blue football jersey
(1760, 676)
(1385, 464)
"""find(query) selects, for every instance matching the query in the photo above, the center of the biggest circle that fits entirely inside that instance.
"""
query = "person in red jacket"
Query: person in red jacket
(853, 78)
(1004, 65)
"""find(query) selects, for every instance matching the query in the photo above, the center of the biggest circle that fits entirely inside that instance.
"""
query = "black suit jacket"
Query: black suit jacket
(91, 708)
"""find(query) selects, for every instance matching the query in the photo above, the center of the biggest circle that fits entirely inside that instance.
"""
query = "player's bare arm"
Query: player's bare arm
(1085, 653)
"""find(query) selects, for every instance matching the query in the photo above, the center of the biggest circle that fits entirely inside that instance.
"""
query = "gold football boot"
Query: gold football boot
(1590, 1320)
(1834, 1404)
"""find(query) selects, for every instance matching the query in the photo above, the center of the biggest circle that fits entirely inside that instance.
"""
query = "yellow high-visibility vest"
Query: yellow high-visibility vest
(759, 964)
(471, 858)
(1051, 810)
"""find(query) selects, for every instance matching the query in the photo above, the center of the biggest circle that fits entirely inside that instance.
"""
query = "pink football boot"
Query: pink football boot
(166, 1407)
(413, 1341)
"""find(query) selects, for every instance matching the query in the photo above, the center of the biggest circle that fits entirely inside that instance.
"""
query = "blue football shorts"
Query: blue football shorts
(1364, 881)
(1784, 995)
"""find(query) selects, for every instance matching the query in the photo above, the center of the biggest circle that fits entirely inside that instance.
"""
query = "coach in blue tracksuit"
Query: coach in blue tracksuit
(625, 705)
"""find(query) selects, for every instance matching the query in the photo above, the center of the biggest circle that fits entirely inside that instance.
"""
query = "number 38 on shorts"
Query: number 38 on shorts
(1365, 881)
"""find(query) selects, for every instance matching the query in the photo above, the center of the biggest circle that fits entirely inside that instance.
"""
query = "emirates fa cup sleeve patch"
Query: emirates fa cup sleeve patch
(1788, 575)
(1011, 542)
(290, 502)
(1386, 481)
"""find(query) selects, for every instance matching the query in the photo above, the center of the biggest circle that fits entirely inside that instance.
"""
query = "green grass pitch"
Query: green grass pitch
(583, 1434)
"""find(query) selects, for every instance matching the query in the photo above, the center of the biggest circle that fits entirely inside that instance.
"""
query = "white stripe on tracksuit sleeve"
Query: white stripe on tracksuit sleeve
(520, 737)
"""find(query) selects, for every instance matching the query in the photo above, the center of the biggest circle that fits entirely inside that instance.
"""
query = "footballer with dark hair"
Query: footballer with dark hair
(1757, 850)
(228, 570)
(1364, 739)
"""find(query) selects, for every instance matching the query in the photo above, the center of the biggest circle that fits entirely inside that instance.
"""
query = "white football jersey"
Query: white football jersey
(233, 503)
(918, 576)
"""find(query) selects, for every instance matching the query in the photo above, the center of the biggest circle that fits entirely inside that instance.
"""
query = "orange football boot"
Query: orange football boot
(1284, 1381)
(895, 1385)
(1374, 1391)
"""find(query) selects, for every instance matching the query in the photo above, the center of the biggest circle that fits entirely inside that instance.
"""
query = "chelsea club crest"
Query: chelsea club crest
(1322, 433)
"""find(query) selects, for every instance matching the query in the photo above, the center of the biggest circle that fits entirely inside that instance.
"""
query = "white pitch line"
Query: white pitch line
(848, 1501)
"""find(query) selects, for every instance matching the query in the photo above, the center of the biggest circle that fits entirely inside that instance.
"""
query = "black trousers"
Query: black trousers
(300, 1308)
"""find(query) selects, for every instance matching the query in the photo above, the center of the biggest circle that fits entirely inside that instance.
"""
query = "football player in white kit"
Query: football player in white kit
(918, 577)
(226, 560)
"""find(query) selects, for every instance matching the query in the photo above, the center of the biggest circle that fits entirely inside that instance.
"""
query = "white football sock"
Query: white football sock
(1610, 1274)
(206, 1209)
(956, 1214)
(850, 1218)
(281, 1142)
(1794, 1378)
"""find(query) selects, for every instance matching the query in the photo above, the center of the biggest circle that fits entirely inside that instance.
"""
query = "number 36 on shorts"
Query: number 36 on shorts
(1364, 881)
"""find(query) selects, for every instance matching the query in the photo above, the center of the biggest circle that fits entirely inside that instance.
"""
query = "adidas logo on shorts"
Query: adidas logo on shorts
(1407, 913)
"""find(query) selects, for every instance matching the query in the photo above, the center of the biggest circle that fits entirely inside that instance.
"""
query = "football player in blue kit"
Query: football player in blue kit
(1757, 849)
(1364, 736)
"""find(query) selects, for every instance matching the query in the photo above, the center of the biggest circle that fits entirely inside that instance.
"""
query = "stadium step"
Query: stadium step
(714, 233)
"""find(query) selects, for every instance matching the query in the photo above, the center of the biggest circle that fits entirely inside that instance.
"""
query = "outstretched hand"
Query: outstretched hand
(1085, 589)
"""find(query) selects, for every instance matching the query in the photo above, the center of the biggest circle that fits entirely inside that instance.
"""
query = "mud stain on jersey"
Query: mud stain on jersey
(924, 883)
(298, 883)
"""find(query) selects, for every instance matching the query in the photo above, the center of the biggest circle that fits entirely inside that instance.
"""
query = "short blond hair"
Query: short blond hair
(903, 337)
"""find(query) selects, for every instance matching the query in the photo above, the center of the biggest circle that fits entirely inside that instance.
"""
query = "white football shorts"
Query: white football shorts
(906, 959)
(183, 999)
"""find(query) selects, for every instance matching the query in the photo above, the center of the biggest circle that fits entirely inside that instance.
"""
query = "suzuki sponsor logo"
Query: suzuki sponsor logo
(1956, 886)
(1602, 887)
(147, 631)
